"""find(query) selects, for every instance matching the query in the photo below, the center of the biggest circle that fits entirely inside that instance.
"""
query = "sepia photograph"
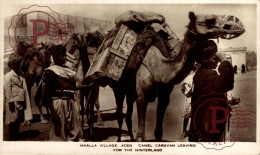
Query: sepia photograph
(129, 78)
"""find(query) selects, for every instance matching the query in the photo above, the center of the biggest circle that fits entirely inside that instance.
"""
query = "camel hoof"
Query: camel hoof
(140, 138)
(132, 139)
(44, 122)
(100, 123)
(158, 135)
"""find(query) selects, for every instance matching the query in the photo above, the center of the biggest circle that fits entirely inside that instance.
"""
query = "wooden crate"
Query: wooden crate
(111, 61)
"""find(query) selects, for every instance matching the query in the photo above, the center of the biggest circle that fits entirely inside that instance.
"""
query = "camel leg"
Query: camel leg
(144, 84)
(47, 110)
(128, 119)
(97, 105)
(163, 101)
(79, 98)
(89, 110)
(91, 120)
(130, 98)
(119, 95)
(141, 104)
(91, 98)
(94, 92)
(99, 118)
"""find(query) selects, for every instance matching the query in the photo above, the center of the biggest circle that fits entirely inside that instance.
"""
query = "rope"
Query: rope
(192, 32)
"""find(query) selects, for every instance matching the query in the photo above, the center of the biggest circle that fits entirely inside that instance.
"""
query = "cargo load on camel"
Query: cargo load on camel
(127, 44)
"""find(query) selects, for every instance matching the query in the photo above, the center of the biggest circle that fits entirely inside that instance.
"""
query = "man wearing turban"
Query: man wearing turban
(209, 102)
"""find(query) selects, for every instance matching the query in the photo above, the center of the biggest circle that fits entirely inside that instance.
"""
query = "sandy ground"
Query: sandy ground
(245, 88)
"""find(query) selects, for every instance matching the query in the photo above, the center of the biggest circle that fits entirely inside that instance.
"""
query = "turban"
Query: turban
(206, 50)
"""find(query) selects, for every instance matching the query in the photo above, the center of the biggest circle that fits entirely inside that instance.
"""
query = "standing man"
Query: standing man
(243, 69)
(59, 85)
(209, 102)
(15, 94)
(235, 69)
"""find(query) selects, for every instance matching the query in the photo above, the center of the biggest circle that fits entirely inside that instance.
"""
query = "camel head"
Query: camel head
(89, 41)
(214, 26)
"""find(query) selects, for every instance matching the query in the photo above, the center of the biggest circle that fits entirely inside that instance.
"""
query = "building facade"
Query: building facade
(237, 55)
(240, 56)
(21, 27)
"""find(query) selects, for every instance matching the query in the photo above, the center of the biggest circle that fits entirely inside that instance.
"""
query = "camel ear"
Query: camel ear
(192, 16)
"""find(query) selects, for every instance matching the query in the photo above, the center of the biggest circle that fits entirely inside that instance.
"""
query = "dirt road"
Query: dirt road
(245, 88)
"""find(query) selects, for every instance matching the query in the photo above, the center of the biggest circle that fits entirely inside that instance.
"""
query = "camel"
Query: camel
(161, 74)
(86, 44)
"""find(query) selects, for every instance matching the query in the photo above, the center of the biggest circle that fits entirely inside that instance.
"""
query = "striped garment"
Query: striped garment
(187, 88)
(186, 107)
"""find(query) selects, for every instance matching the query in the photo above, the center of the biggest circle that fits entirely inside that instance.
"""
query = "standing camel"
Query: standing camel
(87, 45)
(161, 74)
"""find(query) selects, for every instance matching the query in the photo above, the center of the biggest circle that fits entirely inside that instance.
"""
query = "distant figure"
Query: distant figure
(235, 69)
(243, 70)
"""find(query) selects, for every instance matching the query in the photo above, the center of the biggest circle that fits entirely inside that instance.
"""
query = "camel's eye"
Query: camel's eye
(210, 22)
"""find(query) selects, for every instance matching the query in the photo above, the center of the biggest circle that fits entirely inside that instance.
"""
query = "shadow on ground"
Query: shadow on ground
(101, 134)
(36, 118)
(107, 117)
(28, 135)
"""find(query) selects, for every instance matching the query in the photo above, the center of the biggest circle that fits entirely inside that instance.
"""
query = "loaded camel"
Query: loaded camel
(160, 74)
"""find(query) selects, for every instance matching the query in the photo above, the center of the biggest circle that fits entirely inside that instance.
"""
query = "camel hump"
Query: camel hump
(155, 52)
(144, 41)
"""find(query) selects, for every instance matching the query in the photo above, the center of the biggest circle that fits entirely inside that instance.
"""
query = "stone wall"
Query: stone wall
(24, 30)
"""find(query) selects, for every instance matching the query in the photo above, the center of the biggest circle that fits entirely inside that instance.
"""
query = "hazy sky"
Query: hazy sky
(176, 16)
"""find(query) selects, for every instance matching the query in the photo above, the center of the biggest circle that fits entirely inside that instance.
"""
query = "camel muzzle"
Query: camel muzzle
(230, 27)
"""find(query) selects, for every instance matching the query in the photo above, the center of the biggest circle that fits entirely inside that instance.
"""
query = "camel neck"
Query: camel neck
(84, 59)
(185, 57)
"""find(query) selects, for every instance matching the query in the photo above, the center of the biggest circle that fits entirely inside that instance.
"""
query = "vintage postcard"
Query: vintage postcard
(118, 77)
